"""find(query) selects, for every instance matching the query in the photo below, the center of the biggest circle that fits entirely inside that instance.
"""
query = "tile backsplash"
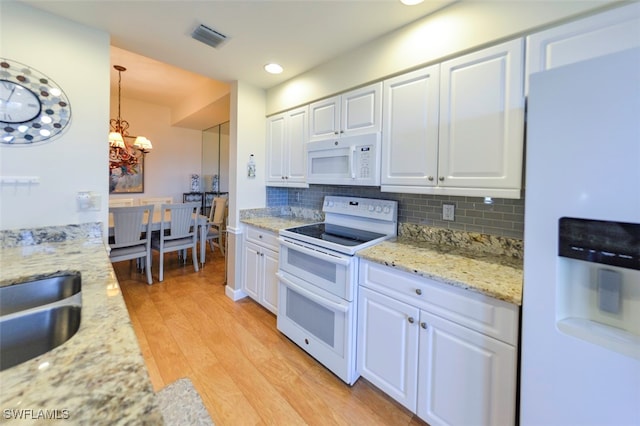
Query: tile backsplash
(505, 217)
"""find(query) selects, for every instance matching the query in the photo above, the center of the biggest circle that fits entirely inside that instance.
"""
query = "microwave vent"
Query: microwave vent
(209, 36)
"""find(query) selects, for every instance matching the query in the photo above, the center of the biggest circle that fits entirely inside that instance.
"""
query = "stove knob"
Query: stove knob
(378, 209)
(387, 209)
(371, 208)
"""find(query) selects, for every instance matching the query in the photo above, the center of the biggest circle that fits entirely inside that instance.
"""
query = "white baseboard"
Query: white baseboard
(234, 294)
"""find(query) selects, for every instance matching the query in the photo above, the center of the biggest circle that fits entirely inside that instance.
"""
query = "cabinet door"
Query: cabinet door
(324, 119)
(587, 38)
(269, 297)
(388, 345)
(361, 110)
(252, 270)
(465, 378)
(482, 119)
(410, 131)
(297, 134)
(276, 139)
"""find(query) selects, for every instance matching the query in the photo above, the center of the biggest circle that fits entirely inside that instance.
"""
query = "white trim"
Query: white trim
(234, 294)
(460, 192)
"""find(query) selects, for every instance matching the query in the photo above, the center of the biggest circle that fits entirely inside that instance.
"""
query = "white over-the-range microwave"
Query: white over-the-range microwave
(347, 160)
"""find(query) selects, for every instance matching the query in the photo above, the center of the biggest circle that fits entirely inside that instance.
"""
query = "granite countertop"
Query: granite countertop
(497, 276)
(486, 270)
(274, 221)
(96, 377)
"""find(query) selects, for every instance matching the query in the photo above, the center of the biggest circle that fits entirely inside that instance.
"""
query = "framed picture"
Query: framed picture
(126, 170)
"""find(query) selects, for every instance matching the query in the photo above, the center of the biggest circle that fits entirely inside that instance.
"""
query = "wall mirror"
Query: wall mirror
(215, 159)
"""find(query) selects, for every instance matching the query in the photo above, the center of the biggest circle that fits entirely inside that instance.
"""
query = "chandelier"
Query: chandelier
(119, 127)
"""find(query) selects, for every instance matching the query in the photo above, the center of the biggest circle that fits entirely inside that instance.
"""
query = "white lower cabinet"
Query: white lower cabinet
(445, 372)
(388, 345)
(464, 377)
(260, 265)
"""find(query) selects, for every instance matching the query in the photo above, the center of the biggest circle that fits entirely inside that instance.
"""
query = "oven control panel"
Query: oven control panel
(361, 207)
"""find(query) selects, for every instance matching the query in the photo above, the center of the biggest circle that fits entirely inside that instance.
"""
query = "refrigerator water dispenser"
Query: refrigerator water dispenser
(598, 283)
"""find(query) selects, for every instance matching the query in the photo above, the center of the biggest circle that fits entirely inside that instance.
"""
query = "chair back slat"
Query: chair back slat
(217, 214)
(156, 201)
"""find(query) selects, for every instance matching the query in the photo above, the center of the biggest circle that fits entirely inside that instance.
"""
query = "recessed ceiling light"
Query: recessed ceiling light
(411, 2)
(273, 68)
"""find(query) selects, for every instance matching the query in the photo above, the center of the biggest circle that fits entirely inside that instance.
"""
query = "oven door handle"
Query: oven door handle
(315, 253)
(312, 296)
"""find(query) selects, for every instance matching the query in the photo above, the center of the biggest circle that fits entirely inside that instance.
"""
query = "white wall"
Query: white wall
(247, 136)
(248, 132)
(458, 28)
(77, 58)
(176, 154)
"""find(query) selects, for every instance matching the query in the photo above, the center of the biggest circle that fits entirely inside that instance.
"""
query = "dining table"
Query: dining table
(201, 222)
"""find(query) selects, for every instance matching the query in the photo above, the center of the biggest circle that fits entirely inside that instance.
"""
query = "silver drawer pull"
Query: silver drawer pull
(423, 325)
(418, 291)
(411, 320)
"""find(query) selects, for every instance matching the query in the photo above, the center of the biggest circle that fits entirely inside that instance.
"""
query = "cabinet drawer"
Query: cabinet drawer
(484, 314)
(263, 237)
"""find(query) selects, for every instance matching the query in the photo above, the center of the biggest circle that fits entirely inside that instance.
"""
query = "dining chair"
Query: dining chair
(132, 235)
(120, 202)
(177, 234)
(215, 224)
(156, 201)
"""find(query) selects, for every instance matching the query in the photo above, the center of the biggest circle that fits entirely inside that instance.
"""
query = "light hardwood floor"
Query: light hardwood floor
(245, 370)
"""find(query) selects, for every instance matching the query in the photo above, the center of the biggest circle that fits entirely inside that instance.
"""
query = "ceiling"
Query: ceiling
(164, 64)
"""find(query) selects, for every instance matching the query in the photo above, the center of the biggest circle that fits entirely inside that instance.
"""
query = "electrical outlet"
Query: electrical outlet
(448, 211)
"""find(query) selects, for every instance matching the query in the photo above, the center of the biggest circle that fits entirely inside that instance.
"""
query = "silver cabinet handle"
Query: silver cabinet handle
(341, 131)
(259, 236)
(411, 320)
(430, 178)
(335, 133)
(423, 325)
(418, 291)
(441, 178)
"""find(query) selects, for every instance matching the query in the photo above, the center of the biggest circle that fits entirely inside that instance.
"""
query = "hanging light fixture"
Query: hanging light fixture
(119, 127)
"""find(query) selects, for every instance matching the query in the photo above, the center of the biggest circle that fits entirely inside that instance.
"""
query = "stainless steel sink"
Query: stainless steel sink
(24, 337)
(37, 316)
(39, 292)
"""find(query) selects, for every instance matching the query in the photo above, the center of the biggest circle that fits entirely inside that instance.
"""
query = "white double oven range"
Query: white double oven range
(318, 278)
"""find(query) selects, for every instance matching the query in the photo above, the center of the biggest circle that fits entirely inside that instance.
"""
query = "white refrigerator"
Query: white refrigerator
(580, 348)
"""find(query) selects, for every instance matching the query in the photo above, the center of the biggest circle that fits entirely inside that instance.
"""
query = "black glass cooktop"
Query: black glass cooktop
(336, 234)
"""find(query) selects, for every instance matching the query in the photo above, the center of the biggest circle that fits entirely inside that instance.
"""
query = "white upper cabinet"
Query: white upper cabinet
(410, 129)
(356, 112)
(457, 128)
(608, 32)
(286, 156)
(276, 139)
(482, 121)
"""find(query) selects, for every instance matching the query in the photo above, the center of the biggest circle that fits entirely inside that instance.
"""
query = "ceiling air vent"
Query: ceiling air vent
(208, 36)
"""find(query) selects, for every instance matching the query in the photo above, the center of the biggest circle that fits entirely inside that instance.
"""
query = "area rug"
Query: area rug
(181, 405)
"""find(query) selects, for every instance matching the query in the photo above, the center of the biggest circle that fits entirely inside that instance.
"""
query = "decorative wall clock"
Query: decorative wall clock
(33, 108)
